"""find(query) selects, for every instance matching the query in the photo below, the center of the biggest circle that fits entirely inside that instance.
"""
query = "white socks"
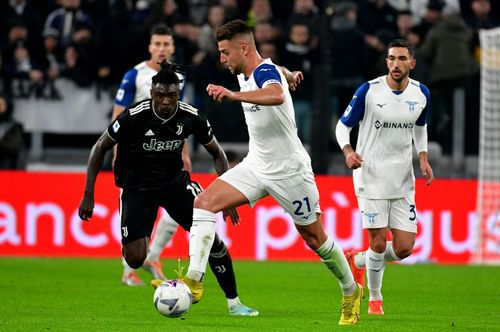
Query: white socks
(126, 268)
(233, 302)
(389, 256)
(165, 229)
(333, 257)
(374, 263)
(375, 266)
(201, 238)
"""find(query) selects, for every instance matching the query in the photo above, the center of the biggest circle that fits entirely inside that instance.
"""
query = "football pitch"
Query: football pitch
(86, 294)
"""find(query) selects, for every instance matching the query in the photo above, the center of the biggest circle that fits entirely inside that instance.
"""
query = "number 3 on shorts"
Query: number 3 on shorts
(413, 212)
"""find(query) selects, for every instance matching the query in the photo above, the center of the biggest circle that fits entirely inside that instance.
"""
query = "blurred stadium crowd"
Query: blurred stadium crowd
(94, 42)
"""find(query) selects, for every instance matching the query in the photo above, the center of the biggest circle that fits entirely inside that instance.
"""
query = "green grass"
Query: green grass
(84, 295)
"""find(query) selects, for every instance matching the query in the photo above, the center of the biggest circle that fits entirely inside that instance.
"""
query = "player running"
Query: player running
(148, 167)
(391, 111)
(136, 86)
(277, 164)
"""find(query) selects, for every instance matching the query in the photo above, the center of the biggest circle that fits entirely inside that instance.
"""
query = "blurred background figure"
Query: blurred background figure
(11, 137)
(448, 44)
(299, 54)
(21, 62)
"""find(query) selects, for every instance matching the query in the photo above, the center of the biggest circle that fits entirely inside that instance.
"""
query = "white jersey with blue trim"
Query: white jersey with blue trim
(386, 120)
(275, 150)
(136, 85)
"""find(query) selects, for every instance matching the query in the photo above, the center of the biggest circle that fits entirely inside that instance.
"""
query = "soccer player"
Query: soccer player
(135, 86)
(148, 167)
(277, 164)
(391, 111)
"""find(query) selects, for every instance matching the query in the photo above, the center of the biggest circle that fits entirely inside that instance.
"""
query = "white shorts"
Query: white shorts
(297, 194)
(397, 213)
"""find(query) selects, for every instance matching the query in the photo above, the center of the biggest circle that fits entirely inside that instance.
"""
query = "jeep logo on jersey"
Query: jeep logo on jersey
(155, 145)
(393, 125)
(411, 105)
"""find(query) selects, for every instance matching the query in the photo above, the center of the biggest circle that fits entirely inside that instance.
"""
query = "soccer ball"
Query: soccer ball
(172, 298)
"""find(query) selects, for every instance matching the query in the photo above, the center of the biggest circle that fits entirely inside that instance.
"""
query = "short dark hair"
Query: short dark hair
(232, 28)
(167, 74)
(400, 42)
(161, 29)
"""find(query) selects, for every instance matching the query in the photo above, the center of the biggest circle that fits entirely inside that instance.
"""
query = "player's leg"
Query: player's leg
(180, 207)
(375, 218)
(375, 267)
(221, 265)
(218, 196)
(299, 196)
(164, 231)
(138, 213)
(234, 188)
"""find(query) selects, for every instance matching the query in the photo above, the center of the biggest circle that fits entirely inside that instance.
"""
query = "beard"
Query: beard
(399, 79)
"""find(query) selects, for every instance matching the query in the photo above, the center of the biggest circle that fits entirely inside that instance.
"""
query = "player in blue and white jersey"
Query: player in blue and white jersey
(277, 164)
(391, 111)
(136, 86)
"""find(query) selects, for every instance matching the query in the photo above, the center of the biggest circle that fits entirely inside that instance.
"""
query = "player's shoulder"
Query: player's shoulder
(139, 107)
(375, 81)
(185, 108)
(140, 66)
(266, 66)
(421, 86)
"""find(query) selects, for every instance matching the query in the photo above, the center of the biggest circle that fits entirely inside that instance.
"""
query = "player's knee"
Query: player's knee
(134, 259)
(378, 246)
(218, 247)
(403, 252)
(202, 201)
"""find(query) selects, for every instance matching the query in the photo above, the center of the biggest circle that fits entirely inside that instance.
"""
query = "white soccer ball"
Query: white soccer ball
(172, 298)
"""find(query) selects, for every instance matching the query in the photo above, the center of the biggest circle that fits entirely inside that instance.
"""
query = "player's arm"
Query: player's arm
(420, 142)
(352, 159)
(221, 166)
(96, 159)
(185, 157)
(271, 95)
(292, 77)
(353, 114)
(217, 153)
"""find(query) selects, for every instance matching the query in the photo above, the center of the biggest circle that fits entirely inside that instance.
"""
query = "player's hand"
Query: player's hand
(354, 160)
(427, 171)
(294, 79)
(219, 93)
(86, 207)
(233, 215)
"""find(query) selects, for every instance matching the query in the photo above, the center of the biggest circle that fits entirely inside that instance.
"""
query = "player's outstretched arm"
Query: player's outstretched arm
(96, 159)
(271, 95)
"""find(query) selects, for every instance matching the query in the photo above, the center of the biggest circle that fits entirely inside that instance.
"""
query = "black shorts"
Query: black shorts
(139, 209)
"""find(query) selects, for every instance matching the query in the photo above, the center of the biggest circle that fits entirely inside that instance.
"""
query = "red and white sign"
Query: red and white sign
(38, 217)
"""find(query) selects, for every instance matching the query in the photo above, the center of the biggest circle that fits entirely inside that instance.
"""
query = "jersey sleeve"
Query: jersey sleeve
(118, 128)
(266, 74)
(126, 92)
(356, 108)
(422, 119)
(203, 130)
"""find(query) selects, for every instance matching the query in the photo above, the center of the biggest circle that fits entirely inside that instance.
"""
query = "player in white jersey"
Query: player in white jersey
(391, 111)
(277, 164)
(136, 86)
